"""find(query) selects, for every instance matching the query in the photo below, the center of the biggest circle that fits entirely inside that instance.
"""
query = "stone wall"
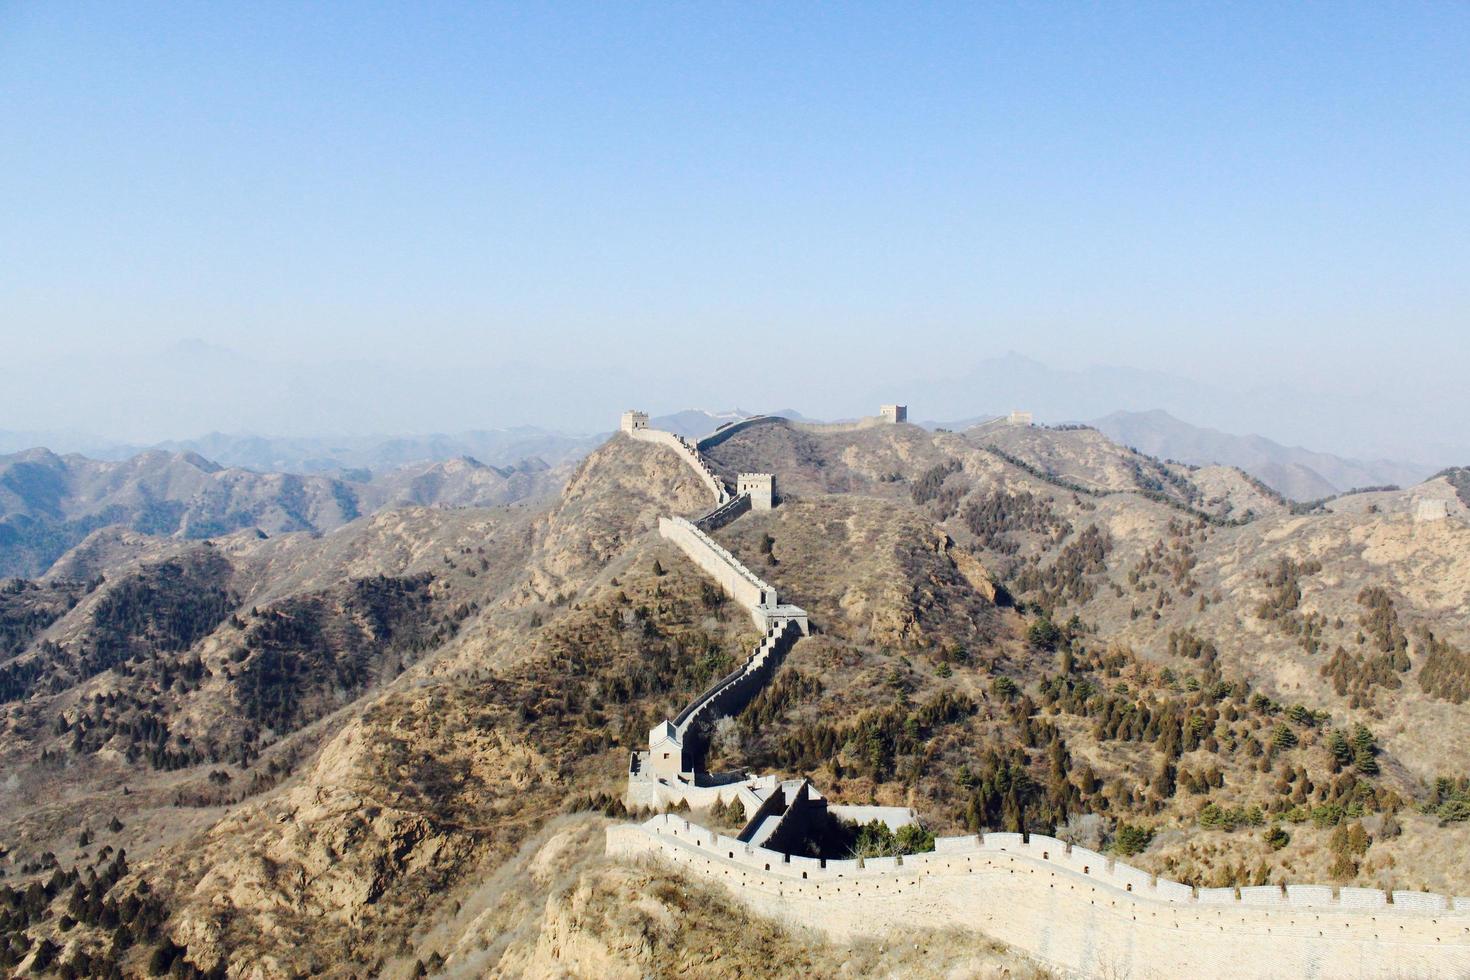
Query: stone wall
(725, 513)
(1077, 910)
(731, 693)
(738, 581)
(730, 428)
(690, 454)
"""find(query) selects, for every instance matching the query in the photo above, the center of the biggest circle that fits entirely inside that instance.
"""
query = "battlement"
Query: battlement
(1079, 910)
(686, 450)
(1076, 909)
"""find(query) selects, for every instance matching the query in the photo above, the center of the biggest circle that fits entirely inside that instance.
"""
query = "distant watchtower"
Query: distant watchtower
(760, 486)
(1019, 418)
(893, 413)
(634, 420)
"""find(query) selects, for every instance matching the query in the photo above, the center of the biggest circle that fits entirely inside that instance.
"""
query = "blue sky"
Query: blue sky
(1242, 194)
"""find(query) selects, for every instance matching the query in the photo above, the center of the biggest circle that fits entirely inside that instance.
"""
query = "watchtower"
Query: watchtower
(893, 413)
(634, 420)
(1019, 418)
(760, 486)
(665, 751)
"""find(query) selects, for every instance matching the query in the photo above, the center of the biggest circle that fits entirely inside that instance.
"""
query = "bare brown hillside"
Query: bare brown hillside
(350, 754)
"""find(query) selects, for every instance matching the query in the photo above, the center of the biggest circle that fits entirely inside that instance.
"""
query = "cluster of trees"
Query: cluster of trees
(135, 723)
(165, 607)
(1284, 591)
(298, 657)
(730, 814)
(1174, 561)
(1067, 579)
(1349, 842)
(1157, 480)
(1445, 670)
(1451, 799)
(1381, 621)
(931, 487)
(788, 689)
(115, 923)
(1355, 675)
(995, 516)
(871, 744)
(27, 608)
(1130, 838)
(875, 839)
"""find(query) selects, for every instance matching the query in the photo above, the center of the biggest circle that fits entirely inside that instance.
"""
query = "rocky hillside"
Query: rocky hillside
(50, 503)
(389, 750)
(1212, 675)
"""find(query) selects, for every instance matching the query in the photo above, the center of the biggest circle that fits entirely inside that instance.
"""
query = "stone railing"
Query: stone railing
(690, 454)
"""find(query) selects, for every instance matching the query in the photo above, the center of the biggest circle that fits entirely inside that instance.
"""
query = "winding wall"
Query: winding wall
(731, 693)
(1072, 908)
(725, 513)
(730, 428)
(690, 454)
(1077, 911)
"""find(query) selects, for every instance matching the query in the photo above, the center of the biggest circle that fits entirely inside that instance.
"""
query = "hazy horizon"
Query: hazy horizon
(231, 394)
(337, 220)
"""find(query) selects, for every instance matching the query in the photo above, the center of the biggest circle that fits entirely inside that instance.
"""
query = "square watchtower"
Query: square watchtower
(634, 420)
(893, 413)
(760, 486)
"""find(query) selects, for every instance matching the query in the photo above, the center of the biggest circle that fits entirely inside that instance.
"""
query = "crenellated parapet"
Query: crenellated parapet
(635, 425)
(1083, 912)
(1078, 910)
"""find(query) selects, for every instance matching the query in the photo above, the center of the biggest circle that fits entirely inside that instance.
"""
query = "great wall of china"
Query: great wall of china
(1075, 910)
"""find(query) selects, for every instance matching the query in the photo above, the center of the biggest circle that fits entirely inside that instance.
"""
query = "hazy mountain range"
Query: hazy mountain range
(1298, 473)
(171, 394)
(50, 503)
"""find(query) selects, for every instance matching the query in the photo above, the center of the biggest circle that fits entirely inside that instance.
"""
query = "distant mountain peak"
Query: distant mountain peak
(1293, 471)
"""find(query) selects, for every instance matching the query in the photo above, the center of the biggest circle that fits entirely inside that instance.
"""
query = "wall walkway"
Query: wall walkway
(1076, 910)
